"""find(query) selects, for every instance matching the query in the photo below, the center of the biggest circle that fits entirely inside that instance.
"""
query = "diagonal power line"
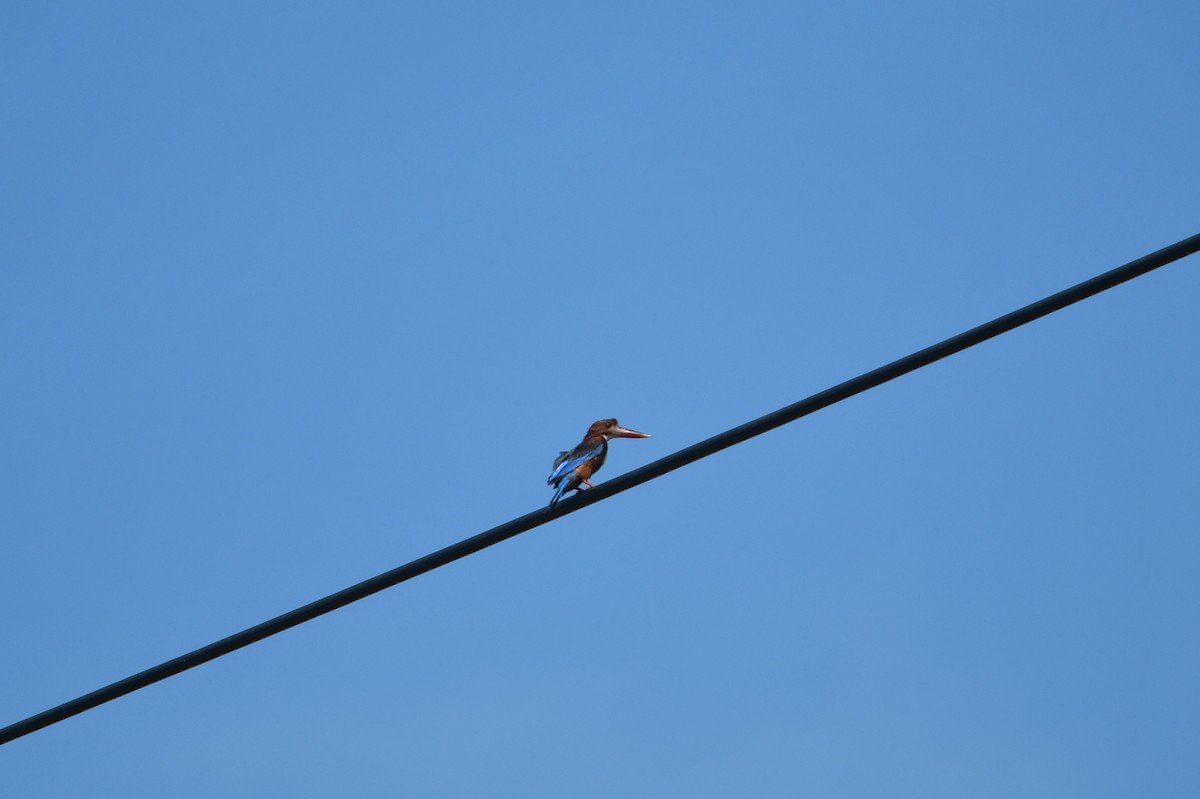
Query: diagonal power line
(605, 490)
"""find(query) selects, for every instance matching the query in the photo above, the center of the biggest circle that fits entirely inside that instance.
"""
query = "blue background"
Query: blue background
(294, 293)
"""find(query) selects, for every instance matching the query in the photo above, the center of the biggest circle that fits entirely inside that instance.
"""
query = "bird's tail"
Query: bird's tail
(559, 490)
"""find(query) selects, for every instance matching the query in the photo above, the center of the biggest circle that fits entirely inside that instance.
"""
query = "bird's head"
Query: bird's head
(611, 428)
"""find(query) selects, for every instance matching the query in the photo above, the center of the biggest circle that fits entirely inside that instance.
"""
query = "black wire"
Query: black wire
(605, 490)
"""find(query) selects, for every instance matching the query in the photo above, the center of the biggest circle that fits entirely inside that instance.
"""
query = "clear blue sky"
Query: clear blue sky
(294, 293)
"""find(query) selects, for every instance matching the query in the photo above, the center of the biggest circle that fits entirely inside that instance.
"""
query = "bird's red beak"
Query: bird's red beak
(625, 432)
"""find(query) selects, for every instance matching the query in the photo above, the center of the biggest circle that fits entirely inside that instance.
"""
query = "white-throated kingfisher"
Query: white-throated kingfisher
(573, 469)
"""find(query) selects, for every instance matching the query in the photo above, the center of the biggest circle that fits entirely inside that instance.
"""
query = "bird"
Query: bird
(574, 467)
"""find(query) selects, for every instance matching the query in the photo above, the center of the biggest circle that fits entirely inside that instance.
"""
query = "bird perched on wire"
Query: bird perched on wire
(574, 468)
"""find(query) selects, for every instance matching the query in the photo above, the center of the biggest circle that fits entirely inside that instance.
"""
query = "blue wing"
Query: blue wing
(568, 462)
